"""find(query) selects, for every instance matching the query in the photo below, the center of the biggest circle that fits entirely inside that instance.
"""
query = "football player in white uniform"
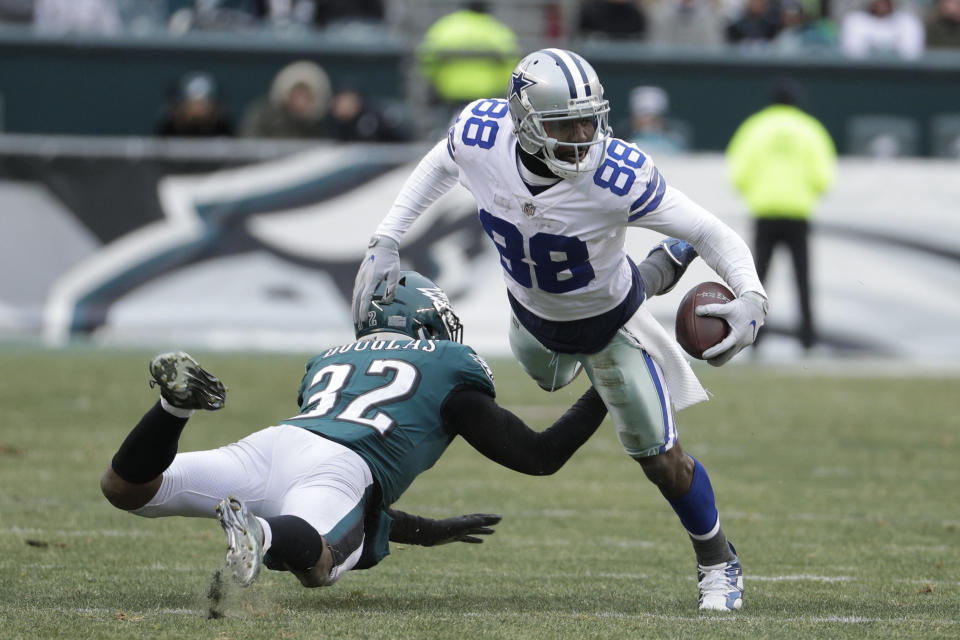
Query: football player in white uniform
(556, 193)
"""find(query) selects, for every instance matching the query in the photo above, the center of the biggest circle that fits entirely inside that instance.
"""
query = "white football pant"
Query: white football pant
(282, 470)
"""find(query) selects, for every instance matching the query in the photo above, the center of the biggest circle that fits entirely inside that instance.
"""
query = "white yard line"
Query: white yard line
(749, 578)
(798, 578)
(78, 533)
(104, 611)
(735, 618)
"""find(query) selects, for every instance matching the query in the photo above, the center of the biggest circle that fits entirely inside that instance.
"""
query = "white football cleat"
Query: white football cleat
(244, 540)
(721, 585)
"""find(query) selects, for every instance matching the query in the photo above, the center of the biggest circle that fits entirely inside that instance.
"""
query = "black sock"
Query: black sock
(150, 447)
(712, 551)
(296, 545)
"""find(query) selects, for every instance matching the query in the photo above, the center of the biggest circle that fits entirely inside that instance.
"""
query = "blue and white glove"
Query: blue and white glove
(681, 254)
(381, 263)
(745, 316)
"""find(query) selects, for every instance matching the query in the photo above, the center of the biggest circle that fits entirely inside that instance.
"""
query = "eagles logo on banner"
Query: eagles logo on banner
(267, 248)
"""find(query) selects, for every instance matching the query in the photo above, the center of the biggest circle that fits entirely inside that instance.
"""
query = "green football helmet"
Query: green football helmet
(420, 309)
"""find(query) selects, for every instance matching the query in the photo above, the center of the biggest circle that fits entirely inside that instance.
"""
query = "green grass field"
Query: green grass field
(840, 492)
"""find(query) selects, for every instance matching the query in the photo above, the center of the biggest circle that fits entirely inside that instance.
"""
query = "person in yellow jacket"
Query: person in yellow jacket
(468, 54)
(781, 160)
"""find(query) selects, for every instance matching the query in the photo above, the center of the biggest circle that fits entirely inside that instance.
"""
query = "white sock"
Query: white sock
(267, 534)
(175, 411)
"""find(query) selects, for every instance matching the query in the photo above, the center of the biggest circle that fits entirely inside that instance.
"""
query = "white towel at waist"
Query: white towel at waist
(685, 389)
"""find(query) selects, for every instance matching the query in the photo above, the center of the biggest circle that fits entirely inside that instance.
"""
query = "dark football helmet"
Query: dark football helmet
(420, 309)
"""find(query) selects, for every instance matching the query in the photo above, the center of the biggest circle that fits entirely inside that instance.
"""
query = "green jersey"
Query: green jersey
(383, 400)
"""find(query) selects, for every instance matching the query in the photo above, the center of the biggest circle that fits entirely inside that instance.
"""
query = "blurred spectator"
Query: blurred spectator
(759, 23)
(468, 54)
(781, 160)
(354, 118)
(333, 11)
(694, 23)
(283, 13)
(612, 19)
(77, 16)
(943, 25)
(650, 128)
(882, 135)
(287, 13)
(879, 29)
(145, 16)
(16, 11)
(296, 106)
(227, 15)
(195, 109)
(799, 31)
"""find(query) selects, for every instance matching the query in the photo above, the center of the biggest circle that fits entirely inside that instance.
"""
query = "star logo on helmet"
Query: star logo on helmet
(519, 82)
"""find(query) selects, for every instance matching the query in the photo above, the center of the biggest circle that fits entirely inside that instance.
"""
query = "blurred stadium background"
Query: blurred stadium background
(118, 242)
(117, 236)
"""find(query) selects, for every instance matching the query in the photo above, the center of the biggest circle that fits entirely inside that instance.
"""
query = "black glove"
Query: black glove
(410, 529)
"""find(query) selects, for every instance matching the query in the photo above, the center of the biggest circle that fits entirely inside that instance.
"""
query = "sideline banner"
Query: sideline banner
(254, 244)
(206, 245)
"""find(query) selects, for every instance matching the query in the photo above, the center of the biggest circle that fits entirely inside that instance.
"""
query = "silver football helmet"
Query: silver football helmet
(558, 111)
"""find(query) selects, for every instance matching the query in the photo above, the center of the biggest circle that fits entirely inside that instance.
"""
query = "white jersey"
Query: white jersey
(562, 250)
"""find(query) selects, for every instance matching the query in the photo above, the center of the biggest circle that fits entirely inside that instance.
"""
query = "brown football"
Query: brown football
(696, 333)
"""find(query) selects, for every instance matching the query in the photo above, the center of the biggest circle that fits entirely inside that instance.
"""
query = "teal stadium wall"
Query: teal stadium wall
(93, 86)
(83, 86)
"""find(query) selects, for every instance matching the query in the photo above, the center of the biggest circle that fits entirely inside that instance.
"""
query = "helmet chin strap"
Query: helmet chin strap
(535, 163)
(539, 165)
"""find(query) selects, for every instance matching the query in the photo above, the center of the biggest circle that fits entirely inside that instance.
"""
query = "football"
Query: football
(696, 333)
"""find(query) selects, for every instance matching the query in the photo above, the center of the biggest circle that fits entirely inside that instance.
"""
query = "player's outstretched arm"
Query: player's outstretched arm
(434, 176)
(380, 263)
(507, 440)
(411, 529)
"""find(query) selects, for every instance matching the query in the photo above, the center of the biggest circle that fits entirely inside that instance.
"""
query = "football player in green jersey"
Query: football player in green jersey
(313, 494)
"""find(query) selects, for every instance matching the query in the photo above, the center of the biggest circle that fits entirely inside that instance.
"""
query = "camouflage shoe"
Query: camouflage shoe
(185, 384)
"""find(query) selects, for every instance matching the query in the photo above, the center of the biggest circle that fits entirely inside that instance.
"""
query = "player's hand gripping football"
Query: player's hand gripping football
(381, 263)
(745, 315)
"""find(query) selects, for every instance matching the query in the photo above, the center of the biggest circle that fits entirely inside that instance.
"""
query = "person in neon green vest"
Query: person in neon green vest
(468, 54)
(781, 160)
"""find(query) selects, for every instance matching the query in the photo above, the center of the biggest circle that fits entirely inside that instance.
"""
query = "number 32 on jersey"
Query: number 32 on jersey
(330, 381)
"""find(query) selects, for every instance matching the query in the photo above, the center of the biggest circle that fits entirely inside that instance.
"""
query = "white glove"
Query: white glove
(745, 316)
(381, 263)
